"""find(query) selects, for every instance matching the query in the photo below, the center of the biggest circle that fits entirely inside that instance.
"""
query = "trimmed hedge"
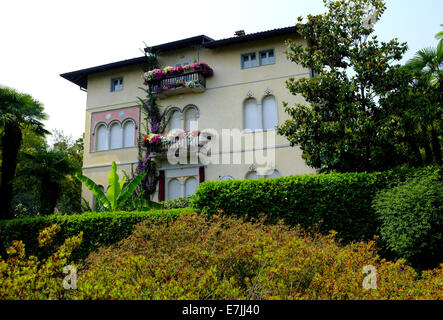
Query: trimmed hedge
(100, 228)
(318, 202)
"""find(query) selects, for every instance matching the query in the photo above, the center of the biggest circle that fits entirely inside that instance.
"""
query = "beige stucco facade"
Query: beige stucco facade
(220, 106)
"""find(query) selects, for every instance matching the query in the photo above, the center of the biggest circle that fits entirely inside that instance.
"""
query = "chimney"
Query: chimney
(240, 33)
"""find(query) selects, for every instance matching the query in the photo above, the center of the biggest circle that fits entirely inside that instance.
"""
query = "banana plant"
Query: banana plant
(117, 194)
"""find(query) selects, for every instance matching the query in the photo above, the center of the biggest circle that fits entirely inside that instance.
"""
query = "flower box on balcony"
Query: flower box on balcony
(159, 144)
(177, 80)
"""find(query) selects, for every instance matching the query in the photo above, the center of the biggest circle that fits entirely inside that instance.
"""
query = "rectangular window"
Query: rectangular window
(117, 84)
(248, 60)
(267, 57)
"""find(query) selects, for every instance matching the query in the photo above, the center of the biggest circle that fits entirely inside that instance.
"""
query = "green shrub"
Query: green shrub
(194, 257)
(336, 201)
(25, 278)
(177, 203)
(100, 228)
(411, 215)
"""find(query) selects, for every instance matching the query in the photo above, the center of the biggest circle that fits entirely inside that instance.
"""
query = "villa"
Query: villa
(244, 93)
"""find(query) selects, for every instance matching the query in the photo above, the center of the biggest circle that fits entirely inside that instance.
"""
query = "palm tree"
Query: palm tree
(439, 35)
(17, 111)
(51, 168)
(427, 66)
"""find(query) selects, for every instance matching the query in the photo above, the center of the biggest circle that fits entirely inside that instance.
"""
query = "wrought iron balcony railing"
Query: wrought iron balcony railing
(177, 84)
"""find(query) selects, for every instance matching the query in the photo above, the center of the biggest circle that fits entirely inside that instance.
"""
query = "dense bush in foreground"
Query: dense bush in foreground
(193, 257)
(336, 201)
(24, 278)
(412, 218)
(100, 228)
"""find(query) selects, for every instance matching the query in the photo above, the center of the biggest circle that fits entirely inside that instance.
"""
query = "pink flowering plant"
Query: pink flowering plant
(159, 141)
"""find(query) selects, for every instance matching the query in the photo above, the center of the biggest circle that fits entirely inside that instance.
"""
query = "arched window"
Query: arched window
(251, 115)
(190, 186)
(101, 138)
(191, 119)
(175, 122)
(116, 136)
(274, 174)
(174, 189)
(128, 134)
(270, 115)
(252, 175)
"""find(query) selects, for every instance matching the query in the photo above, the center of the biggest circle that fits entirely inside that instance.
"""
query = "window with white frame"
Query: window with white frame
(191, 186)
(190, 114)
(270, 115)
(260, 117)
(115, 136)
(252, 175)
(251, 115)
(128, 134)
(174, 189)
(175, 120)
(274, 174)
(248, 60)
(117, 84)
(191, 119)
(101, 138)
(266, 57)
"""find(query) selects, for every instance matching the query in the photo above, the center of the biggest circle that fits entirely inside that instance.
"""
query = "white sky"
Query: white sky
(41, 39)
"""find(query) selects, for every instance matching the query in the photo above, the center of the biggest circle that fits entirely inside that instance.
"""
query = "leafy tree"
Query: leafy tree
(71, 188)
(26, 191)
(50, 168)
(27, 185)
(17, 111)
(357, 97)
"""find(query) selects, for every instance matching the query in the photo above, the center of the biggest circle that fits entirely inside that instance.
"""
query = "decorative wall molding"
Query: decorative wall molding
(252, 168)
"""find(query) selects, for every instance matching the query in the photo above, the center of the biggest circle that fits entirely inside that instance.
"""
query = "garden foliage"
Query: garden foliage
(362, 111)
(118, 194)
(411, 217)
(26, 278)
(337, 201)
(177, 203)
(193, 257)
(100, 228)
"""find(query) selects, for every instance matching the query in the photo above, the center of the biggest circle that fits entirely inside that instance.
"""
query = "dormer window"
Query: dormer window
(117, 84)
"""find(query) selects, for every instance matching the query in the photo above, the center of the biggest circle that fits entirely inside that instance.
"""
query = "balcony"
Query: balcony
(188, 144)
(172, 85)
(177, 80)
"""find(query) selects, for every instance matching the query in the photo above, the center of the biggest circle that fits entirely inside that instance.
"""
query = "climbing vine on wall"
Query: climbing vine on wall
(154, 121)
